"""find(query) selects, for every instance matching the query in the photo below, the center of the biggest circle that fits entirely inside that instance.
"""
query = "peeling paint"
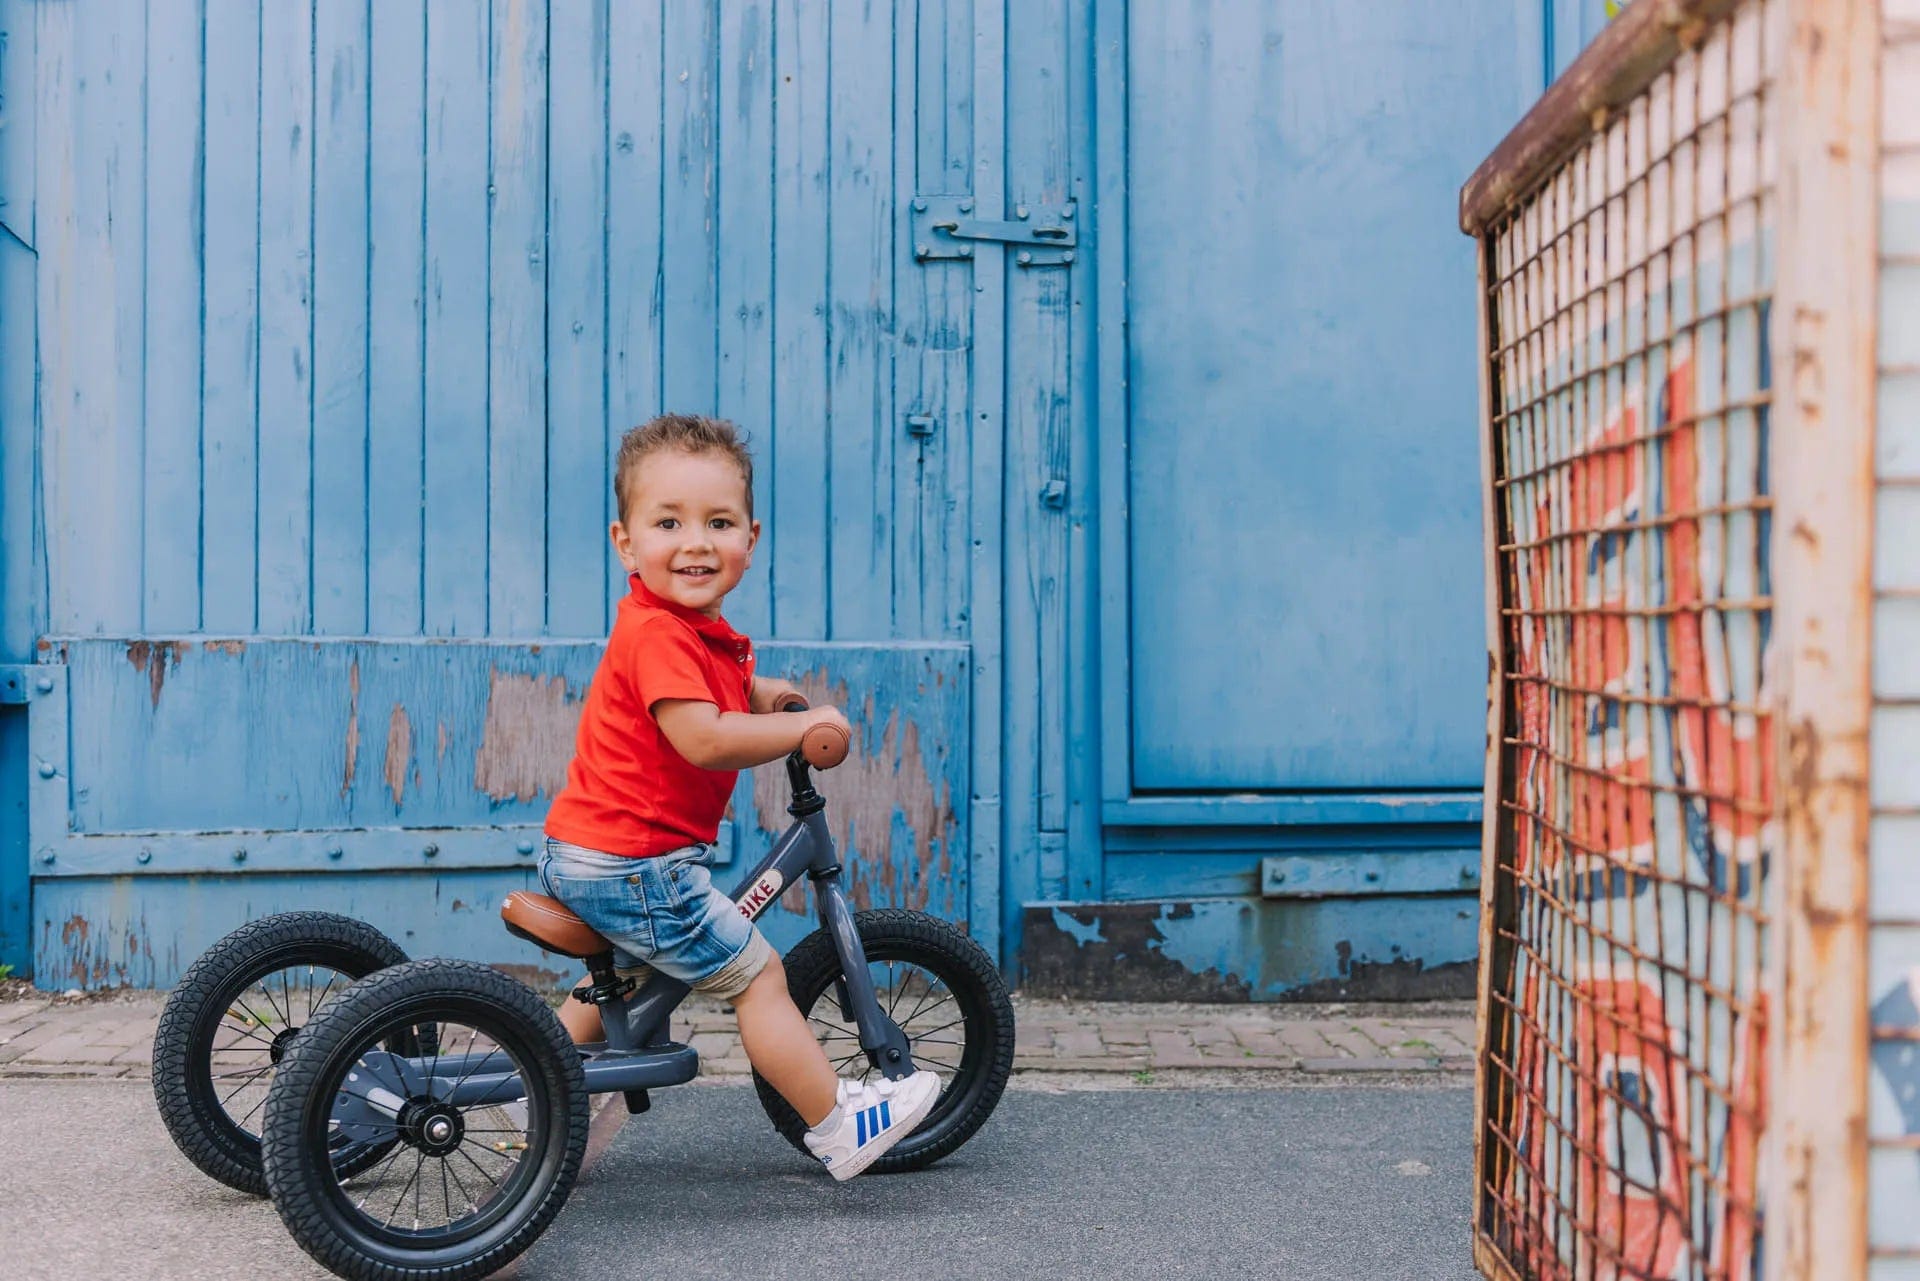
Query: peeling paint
(527, 740)
(154, 658)
(353, 727)
(232, 648)
(399, 752)
(865, 796)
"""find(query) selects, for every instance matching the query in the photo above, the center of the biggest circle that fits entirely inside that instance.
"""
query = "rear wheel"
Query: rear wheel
(483, 1133)
(227, 1026)
(947, 997)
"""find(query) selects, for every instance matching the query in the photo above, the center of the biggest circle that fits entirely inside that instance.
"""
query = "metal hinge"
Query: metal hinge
(944, 229)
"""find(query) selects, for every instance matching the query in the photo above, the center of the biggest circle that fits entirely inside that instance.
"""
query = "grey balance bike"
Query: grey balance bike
(430, 1120)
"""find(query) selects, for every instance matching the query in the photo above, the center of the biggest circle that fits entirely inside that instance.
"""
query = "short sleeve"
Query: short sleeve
(666, 662)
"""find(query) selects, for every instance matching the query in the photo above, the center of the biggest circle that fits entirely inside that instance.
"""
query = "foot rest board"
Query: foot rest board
(651, 1068)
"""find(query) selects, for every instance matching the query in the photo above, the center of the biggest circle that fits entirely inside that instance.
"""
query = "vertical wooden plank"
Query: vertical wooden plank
(1080, 689)
(456, 555)
(746, 372)
(91, 308)
(516, 422)
(635, 144)
(341, 313)
(1825, 123)
(996, 913)
(1038, 447)
(860, 325)
(577, 282)
(170, 541)
(1106, 222)
(286, 318)
(396, 315)
(800, 274)
(229, 369)
(688, 159)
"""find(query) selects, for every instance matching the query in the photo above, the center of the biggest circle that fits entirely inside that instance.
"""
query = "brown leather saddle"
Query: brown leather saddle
(545, 922)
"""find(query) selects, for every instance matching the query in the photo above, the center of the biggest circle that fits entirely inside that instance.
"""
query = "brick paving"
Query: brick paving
(111, 1035)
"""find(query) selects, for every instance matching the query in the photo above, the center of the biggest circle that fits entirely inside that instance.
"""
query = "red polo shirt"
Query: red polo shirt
(628, 791)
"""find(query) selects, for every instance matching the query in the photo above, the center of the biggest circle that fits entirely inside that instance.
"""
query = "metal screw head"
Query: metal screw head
(893, 1056)
(144, 856)
(919, 205)
(1067, 212)
(1067, 256)
(44, 684)
(439, 1129)
(47, 770)
(334, 851)
(46, 856)
(966, 206)
(240, 855)
(1023, 258)
(525, 847)
(966, 251)
(1020, 211)
(431, 850)
(921, 251)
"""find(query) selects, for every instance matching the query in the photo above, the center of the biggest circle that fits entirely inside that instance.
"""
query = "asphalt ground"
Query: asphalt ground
(1329, 1181)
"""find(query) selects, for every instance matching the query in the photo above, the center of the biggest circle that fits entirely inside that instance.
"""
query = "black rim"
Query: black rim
(945, 1026)
(460, 1161)
(254, 1019)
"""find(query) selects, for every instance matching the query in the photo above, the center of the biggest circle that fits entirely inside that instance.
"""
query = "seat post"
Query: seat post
(608, 992)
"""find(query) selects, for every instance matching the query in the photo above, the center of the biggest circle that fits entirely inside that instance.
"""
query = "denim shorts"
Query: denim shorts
(661, 913)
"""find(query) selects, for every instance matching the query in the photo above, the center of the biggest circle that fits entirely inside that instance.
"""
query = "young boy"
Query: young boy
(673, 714)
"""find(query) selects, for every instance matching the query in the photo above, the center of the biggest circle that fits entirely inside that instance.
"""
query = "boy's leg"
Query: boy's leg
(782, 1048)
(581, 1020)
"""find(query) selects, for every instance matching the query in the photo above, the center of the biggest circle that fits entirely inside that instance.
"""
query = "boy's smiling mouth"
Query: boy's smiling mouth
(697, 571)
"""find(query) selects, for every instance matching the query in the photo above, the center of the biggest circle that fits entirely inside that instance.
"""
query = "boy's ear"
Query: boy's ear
(622, 545)
(753, 538)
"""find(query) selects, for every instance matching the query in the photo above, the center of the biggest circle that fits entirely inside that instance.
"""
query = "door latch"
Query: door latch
(944, 228)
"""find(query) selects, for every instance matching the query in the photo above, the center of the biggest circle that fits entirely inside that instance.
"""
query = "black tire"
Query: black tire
(309, 1191)
(183, 1045)
(945, 952)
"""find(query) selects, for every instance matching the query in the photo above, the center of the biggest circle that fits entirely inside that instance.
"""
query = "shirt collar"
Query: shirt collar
(716, 628)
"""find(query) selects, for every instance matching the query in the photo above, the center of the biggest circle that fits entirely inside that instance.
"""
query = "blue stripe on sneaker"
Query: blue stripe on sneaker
(860, 1124)
(873, 1122)
(886, 1115)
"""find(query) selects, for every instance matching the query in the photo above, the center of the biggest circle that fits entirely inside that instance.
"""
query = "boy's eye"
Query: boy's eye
(720, 522)
(667, 522)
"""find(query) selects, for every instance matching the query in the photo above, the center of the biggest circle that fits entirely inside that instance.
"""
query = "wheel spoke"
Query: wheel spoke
(271, 1004)
(245, 1034)
(932, 987)
(253, 1111)
(244, 1084)
(927, 1007)
(257, 1020)
(446, 1166)
(407, 1186)
(482, 1169)
(318, 1000)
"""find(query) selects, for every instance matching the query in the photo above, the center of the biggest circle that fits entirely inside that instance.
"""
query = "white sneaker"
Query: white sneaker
(868, 1119)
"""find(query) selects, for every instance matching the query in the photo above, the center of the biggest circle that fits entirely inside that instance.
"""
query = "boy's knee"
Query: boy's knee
(771, 978)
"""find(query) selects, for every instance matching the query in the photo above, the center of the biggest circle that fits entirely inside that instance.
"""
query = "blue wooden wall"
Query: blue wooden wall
(339, 309)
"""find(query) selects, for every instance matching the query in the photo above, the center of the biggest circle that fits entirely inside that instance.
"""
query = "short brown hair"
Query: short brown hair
(690, 433)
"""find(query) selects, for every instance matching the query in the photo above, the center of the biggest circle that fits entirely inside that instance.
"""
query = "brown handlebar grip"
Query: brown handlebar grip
(793, 701)
(825, 746)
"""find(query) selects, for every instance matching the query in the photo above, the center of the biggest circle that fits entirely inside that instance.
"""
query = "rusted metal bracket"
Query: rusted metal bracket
(944, 228)
(1336, 875)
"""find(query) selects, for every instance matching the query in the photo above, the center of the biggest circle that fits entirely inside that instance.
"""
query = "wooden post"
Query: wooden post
(1824, 126)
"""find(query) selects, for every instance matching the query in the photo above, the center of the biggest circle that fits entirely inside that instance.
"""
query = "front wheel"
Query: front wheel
(947, 997)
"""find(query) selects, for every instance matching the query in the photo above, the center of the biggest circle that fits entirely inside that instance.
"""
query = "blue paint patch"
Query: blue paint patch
(1081, 932)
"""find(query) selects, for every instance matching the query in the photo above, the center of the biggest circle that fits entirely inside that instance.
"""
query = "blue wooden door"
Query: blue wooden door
(1293, 540)
(340, 310)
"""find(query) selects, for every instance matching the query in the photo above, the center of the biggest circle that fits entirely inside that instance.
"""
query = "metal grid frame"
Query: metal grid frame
(1626, 302)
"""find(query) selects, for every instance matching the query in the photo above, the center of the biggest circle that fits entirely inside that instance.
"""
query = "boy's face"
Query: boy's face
(687, 532)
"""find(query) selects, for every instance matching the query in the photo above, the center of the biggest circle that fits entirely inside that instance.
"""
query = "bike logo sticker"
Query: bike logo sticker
(762, 893)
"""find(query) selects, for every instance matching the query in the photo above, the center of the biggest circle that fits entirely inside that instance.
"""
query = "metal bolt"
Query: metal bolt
(921, 251)
(44, 684)
(1067, 256)
(144, 856)
(47, 770)
(46, 856)
(1067, 212)
(534, 258)
(431, 850)
(1023, 258)
(966, 206)
(893, 1056)
(1020, 211)
(525, 847)
(240, 855)
(334, 851)
(919, 205)
(966, 251)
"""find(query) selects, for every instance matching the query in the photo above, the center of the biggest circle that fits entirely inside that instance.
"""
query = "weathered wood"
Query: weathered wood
(1824, 127)
(1621, 62)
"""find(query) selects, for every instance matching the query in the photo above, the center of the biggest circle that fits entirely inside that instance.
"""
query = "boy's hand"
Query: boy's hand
(828, 716)
(766, 694)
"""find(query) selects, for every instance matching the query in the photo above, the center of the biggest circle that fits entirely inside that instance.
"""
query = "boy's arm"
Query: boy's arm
(718, 740)
(767, 693)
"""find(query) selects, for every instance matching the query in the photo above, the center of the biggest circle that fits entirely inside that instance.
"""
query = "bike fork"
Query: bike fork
(885, 1044)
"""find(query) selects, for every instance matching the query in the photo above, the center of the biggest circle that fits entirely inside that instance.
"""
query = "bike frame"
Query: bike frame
(637, 1054)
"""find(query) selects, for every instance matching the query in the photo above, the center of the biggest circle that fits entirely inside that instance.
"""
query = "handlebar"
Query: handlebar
(823, 746)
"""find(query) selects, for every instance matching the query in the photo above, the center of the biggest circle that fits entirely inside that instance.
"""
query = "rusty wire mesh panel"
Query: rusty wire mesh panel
(1628, 311)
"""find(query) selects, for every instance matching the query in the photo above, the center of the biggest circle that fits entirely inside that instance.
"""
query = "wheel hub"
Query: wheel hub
(435, 1128)
(278, 1049)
